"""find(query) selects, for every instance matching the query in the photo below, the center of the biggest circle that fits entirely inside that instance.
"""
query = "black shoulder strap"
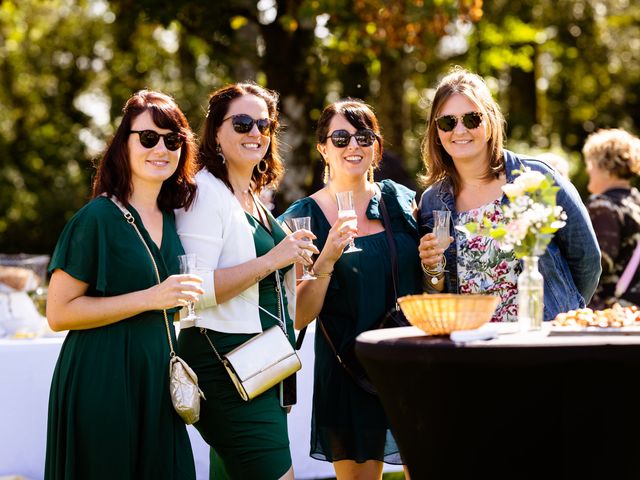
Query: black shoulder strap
(300, 338)
(386, 222)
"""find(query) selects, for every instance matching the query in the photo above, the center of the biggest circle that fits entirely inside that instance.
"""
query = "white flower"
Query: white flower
(529, 180)
(512, 190)
(529, 218)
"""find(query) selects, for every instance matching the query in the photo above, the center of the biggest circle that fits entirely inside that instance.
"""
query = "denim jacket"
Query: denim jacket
(571, 264)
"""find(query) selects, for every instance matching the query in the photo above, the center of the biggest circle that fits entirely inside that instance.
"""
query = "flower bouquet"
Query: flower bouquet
(531, 216)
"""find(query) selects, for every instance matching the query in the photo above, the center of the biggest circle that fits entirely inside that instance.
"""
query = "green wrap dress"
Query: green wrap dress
(110, 412)
(250, 439)
(348, 423)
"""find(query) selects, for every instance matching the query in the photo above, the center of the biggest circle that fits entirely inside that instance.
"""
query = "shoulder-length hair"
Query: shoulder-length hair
(113, 176)
(359, 114)
(615, 151)
(438, 163)
(219, 102)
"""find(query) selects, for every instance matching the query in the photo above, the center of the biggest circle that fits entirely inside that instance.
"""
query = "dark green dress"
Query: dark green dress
(250, 438)
(110, 412)
(347, 422)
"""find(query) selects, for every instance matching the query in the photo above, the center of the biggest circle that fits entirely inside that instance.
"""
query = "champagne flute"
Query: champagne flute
(304, 223)
(346, 209)
(441, 228)
(188, 265)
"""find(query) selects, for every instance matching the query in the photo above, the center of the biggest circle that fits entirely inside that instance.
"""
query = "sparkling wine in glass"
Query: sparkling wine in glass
(346, 209)
(441, 227)
(304, 223)
(188, 265)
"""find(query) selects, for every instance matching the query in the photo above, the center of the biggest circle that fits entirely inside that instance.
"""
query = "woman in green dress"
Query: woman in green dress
(353, 290)
(110, 412)
(235, 236)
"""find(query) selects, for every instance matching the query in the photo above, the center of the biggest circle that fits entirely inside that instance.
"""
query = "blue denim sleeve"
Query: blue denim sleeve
(428, 203)
(577, 240)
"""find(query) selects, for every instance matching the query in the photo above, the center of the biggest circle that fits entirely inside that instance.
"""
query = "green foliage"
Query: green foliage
(560, 69)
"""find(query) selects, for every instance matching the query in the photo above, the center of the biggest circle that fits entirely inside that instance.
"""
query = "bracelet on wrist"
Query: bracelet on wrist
(436, 274)
(322, 274)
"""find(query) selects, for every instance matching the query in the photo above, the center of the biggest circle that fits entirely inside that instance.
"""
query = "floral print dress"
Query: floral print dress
(483, 267)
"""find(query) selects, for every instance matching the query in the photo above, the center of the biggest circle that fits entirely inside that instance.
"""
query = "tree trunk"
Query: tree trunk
(287, 72)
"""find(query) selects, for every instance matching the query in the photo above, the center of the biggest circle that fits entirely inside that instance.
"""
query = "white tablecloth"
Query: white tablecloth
(26, 368)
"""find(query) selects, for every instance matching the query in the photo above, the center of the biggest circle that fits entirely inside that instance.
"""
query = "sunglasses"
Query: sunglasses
(341, 138)
(243, 123)
(470, 120)
(150, 138)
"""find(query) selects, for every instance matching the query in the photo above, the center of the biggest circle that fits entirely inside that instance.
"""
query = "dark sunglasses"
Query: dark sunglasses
(150, 138)
(470, 120)
(243, 123)
(341, 138)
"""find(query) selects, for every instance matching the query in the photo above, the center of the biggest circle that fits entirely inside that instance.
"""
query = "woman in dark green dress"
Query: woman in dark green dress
(110, 412)
(353, 291)
(234, 235)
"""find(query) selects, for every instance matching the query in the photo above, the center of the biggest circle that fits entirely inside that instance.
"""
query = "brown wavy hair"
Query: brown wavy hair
(438, 163)
(219, 102)
(113, 175)
(615, 151)
(358, 113)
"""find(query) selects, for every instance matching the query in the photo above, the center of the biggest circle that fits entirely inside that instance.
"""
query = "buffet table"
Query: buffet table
(26, 368)
(518, 406)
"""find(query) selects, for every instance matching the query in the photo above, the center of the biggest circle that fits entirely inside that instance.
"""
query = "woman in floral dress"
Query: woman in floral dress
(466, 168)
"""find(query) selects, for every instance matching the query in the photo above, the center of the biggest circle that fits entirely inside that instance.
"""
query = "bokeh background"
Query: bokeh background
(559, 68)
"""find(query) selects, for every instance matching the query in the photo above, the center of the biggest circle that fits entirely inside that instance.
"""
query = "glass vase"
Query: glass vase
(530, 295)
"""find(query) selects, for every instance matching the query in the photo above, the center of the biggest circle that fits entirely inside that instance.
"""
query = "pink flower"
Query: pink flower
(495, 216)
(468, 287)
(501, 269)
(511, 309)
(477, 243)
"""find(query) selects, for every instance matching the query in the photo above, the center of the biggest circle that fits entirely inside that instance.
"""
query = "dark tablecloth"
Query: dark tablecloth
(520, 406)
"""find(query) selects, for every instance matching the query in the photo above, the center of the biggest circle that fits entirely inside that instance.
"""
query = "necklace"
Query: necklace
(246, 199)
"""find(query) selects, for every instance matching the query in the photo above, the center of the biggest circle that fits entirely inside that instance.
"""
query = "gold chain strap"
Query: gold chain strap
(130, 220)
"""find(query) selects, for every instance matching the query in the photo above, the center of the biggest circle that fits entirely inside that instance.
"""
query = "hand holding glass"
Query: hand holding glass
(188, 265)
(304, 223)
(346, 209)
(441, 228)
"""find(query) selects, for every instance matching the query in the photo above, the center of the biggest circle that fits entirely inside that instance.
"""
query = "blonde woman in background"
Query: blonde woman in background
(612, 158)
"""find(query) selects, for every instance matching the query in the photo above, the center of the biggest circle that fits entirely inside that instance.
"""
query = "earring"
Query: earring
(266, 166)
(370, 175)
(438, 142)
(325, 175)
(220, 155)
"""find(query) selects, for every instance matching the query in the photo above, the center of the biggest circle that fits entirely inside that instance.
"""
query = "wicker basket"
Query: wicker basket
(441, 314)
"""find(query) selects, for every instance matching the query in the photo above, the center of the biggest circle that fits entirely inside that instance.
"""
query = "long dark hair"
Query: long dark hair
(438, 163)
(358, 113)
(219, 102)
(113, 176)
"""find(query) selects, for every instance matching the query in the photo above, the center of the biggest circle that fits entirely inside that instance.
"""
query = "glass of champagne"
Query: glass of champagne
(441, 228)
(188, 265)
(304, 223)
(346, 209)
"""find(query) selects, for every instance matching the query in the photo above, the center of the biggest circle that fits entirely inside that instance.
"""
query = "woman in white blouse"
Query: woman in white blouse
(237, 238)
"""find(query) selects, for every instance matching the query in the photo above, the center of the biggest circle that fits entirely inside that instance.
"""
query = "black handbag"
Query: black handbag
(393, 318)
